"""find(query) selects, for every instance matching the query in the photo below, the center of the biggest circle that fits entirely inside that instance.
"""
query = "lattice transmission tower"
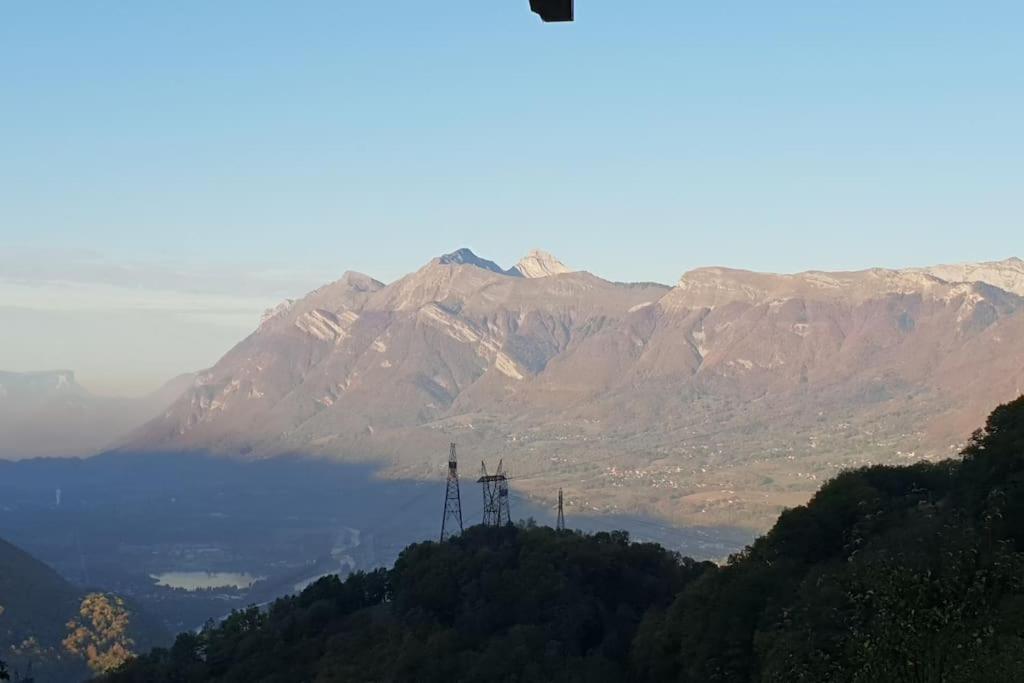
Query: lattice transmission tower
(451, 522)
(495, 489)
(560, 522)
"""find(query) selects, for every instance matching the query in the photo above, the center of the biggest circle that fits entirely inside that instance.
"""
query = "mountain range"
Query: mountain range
(720, 400)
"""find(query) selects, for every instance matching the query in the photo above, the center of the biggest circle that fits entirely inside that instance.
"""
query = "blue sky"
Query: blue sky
(303, 139)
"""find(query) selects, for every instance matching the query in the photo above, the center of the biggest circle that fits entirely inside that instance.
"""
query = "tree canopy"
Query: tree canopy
(889, 573)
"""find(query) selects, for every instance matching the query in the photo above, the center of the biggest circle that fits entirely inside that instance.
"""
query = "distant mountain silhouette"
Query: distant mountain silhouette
(50, 414)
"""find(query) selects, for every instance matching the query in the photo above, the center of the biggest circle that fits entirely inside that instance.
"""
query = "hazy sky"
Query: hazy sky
(167, 170)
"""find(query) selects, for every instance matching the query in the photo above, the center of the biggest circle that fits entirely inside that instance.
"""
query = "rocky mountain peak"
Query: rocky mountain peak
(710, 287)
(360, 281)
(38, 385)
(466, 257)
(540, 263)
(1007, 274)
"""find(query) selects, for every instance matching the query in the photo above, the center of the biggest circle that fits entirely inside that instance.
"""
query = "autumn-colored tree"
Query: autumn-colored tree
(100, 634)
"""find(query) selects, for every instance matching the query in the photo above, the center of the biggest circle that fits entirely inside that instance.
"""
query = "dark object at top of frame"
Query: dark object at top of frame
(553, 10)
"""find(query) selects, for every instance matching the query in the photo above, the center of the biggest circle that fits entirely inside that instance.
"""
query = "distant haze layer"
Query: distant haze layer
(127, 327)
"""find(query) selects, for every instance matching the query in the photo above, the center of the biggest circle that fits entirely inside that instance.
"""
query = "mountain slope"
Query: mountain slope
(35, 605)
(718, 401)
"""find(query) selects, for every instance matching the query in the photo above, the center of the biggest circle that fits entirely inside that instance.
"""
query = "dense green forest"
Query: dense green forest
(888, 574)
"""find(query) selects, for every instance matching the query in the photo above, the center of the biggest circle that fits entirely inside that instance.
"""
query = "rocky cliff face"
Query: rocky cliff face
(540, 264)
(1007, 274)
(716, 401)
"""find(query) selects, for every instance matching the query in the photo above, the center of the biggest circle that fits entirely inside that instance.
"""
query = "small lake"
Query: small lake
(192, 581)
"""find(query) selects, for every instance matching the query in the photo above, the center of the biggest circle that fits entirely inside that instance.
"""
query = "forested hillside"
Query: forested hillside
(889, 573)
(35, 604)
(57, 629)
(493, 604)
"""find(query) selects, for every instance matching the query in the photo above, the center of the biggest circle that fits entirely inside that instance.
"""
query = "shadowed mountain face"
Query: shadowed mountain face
(717, 401)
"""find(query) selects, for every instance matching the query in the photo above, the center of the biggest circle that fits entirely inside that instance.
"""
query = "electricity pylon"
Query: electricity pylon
(560, 522)
(452, 501)
(495, 489)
